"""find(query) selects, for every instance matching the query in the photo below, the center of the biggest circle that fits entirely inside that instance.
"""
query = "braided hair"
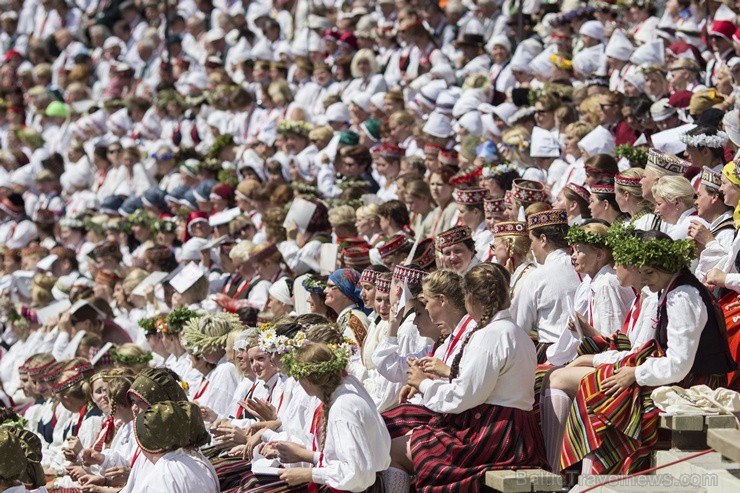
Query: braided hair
(486, 286)
(326, 382)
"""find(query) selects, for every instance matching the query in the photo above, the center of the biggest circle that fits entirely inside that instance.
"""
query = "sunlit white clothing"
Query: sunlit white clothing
(497, 368)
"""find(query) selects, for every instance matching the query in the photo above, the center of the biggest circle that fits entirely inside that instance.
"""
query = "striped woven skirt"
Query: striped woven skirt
(406, 417)
(452, 453)
(620, 431)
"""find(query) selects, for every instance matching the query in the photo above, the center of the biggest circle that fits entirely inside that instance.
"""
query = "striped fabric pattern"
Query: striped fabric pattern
(620, 430)
(453, 452)
(406, 417)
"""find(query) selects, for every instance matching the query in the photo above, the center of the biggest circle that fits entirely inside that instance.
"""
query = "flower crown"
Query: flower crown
(313, 285)
(665, 255)
(576, 234)
(270, 342)
(561, 62)
(297, 127)
(491, 171)
(337, 364)
(703, 140)
(130, 360)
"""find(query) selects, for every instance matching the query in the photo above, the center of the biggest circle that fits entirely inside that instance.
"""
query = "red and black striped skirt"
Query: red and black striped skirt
(404, 418)
(452, 453)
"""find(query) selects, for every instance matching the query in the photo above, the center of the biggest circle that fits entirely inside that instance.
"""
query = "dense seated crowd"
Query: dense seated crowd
(359, 245)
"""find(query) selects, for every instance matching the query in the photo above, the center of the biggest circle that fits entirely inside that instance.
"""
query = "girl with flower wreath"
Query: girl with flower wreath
(350, 444)
(612, 426)
(170, 331)
(602, 303)
(205, 338)
(486, 399)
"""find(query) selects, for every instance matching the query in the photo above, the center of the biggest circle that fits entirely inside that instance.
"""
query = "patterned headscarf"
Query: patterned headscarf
(347, 281)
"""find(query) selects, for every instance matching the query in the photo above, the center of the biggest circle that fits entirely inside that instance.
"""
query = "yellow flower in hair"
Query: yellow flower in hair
(185, 386)
(561, 62)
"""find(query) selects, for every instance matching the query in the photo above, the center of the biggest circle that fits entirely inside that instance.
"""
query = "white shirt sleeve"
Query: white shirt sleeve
(687, 316)
(477, 379)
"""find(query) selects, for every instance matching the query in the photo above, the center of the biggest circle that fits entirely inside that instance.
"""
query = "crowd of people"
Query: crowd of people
(359, 245)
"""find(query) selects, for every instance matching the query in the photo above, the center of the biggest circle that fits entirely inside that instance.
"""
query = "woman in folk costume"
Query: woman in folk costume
(690, 348)
(403, 337)
(170, 329)
(343, 296)
(471, 214)
(511, 245)
(495, 210)
(151, 386)
(725, 275)
(39, 414)
(457, 249)
(628, 194)
(205, 339)
(443, 300)
(674, 203)
(375, 329)
(350, 444)
(574, 199)
(106, 463)
(72, 388)
(487, 398)
(167, 434)
(600, 300)
(99, 397)
(446, 211)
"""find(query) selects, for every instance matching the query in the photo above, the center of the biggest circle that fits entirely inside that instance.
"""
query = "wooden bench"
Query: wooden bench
(726, 442)
(523, 481)
(689, 432)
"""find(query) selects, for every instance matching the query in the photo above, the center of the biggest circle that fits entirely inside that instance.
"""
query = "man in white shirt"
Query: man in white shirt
(544, 301)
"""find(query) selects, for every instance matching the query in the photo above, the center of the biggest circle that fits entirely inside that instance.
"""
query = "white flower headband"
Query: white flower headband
(703, 140)
(491, 171)
(270, 342)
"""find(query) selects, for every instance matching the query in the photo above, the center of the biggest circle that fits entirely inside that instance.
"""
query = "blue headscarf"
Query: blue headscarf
(348, 282)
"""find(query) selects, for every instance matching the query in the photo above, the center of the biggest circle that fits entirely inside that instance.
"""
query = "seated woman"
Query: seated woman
(444, 307)
(599, 300)
(561, 385)
(166, 433)
(628, 194)
(151, 386)
(674, 203)
(403, 337)
(118, 455)
(486, 399)
(574, 199)
(458, 249)
(350, 442)
(511, 245)
(690, 348)
(603, 204)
